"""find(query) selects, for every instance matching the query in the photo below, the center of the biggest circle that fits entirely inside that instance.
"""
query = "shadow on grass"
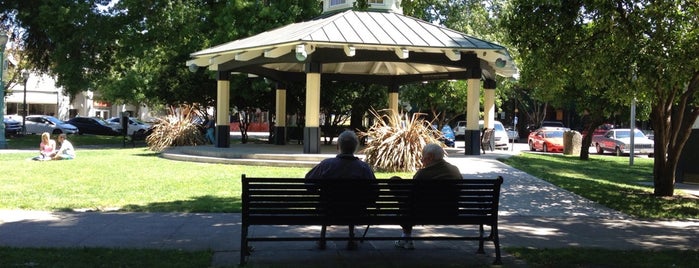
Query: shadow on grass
(610, 182)
(205, 203)
(200, 204)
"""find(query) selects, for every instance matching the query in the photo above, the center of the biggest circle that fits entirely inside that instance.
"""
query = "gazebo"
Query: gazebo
(379, 46)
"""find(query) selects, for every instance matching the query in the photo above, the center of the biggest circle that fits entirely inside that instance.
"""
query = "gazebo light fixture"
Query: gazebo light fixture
(500, 63)
(193, 68)
(301, 53)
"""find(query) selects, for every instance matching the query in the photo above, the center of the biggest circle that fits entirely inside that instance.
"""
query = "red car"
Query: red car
(547, 139)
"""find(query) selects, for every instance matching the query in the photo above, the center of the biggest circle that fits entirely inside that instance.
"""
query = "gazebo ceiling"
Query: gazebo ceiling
(378, 47)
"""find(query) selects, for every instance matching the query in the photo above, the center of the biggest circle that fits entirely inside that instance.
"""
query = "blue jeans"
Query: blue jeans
(210, 135)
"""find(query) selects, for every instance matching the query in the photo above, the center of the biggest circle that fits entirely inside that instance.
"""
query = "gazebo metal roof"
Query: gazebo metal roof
(377, 47)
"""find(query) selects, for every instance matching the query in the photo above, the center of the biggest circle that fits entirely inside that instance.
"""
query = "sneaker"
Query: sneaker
(406, 244)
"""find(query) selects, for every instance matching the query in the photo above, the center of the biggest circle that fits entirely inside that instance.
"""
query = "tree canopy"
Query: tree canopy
(134, 51)
(605, 53)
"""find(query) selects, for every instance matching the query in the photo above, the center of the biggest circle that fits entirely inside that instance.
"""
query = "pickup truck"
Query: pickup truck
(618, 141)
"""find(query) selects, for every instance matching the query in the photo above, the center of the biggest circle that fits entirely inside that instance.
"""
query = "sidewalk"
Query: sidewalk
(533, 213)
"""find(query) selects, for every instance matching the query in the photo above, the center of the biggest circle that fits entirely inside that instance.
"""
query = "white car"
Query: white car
(37, 124)
(501, 137)
(618, 141)
(135, 125)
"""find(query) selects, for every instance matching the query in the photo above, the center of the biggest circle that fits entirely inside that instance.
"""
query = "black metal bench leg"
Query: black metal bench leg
(321, 242)
(481, 240)
(496, 242)
(244, 250)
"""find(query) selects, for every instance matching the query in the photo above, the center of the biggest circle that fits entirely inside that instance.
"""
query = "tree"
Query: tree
(134, 51)
(441, 100)
(343, 101)
(617, 51)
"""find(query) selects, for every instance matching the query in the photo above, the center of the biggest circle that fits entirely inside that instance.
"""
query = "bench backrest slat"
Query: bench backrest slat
(339, 201)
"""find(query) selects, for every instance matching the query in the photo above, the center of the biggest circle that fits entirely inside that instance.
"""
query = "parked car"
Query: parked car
(501, 138)
(547, 139)
(12, 126)
(135, 125)
(552, 124)
(93, 125)
(512, 134)
(37, 124)
(600, 130)
(459, 130)
(618, 141)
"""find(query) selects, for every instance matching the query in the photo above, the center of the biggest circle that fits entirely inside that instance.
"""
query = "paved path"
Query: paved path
(533, 213)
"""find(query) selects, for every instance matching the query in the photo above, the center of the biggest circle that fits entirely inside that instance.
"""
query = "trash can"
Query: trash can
(572, 142)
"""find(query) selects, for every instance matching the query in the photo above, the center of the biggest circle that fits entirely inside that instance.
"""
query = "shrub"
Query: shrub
(178, 128)
(395, 144)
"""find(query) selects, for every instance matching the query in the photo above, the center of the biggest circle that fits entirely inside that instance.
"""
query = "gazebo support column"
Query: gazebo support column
(393, 98)
(472, 133)
(311, 131)
(280, 126)
(223, 126)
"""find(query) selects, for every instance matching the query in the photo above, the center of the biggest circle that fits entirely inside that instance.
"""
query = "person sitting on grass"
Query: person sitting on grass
(46, 147)
(66, 151)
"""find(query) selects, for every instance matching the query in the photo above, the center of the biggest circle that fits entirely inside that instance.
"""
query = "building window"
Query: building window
(337, 2)
(379, 2)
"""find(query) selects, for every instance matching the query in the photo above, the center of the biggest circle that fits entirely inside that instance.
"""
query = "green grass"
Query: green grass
(610, 181)
(126, 180)
(101, 257)
(586, 257)
(132, 179)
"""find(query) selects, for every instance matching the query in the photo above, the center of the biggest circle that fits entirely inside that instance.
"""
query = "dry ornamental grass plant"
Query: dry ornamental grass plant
(396, 144)
(178, 128)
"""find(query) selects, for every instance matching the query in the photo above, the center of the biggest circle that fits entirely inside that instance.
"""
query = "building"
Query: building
(43, 96)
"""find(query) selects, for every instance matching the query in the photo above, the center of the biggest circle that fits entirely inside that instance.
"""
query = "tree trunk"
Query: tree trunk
(663, 169)
(590, 123)
(245, 116)
(586, 142)
(672, 123)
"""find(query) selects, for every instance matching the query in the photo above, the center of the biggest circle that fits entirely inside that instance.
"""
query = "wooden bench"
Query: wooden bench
(486, 140)
(133, 138)
(287, 201)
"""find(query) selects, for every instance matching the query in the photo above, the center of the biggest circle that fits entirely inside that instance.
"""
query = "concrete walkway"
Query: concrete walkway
(533, 213)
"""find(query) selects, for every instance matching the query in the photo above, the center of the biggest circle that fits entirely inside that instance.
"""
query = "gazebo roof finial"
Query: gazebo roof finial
(333, 6)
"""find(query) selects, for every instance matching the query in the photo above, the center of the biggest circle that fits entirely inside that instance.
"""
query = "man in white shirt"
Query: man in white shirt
(66, 152)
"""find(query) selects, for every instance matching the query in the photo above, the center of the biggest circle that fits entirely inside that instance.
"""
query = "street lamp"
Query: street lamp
(3, 42)
(25, 76)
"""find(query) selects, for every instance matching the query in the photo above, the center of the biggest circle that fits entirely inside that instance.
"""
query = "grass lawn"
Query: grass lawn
(585, 257)
(609, 181)
(132, 179)
(101, 257)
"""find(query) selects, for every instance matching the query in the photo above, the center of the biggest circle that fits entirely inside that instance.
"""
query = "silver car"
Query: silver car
(37, 124)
